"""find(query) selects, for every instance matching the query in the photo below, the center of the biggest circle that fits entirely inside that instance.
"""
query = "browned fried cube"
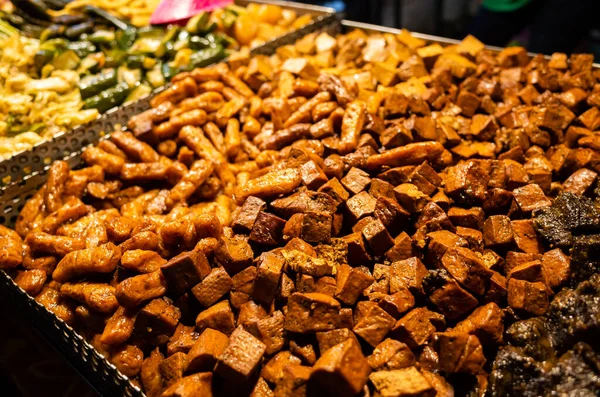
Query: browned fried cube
(272, 371)
(398, 303)
(171, 369)
(213, 287)
(417, 326)
(425, 179)
(391, 214)
(351, 281)
(293, 382)
(193, 385)
(377, 237)
(241, 357)
(182, 340)
(334, 188)
(557, 267)
(374, 326)
(267, 229)
(361, 205)
(472, 217)
(459, 352)
(527, 296)
(410, 197)
(581, 181)
(185, 270)
(441, 241)
(486, 322)
(158, 320)
(402, 248)
(452, 300)
(244, 221)
(311, 226)
(391, 354)
(381, 188)
(218, 316)
(342, 370)
(356, 180)
(401, 382)
(311, 312)
(313, 176)
(531, 197)
(497, 232)
(409, 274)
(357, 250)
(270, 331)
(234, 254)
(268, 273)
(467, 269)
(203, 356)
(328, 339)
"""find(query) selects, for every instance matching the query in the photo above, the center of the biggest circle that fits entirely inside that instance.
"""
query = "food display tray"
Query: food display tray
(41, 155)
(25, 172)
(28, 172)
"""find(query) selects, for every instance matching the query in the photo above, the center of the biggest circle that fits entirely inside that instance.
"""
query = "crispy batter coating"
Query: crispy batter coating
(103, 259)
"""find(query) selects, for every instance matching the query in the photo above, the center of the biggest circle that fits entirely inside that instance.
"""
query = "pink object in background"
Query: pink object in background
(172, 11)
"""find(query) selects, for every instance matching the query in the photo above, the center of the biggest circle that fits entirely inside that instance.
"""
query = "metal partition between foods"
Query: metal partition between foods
(26, 163)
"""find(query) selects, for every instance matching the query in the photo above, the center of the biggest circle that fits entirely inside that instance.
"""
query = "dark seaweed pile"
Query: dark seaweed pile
(557, 354)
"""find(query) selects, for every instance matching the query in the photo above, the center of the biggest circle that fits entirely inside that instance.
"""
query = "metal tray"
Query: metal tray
(41, 155)
(26, 172)
(93, 367)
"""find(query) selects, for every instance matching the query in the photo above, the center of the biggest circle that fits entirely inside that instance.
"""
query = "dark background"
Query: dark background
(29, 366)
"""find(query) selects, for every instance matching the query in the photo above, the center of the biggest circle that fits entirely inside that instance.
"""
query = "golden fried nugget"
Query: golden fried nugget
(150, 374)
(195, 139)
(95, 234)
(142, 261)
(53, 301)
(103, 259)
(233, 140)
(133, 147)
(180, 89)
(128, 359)
(119, 326)
(270, 185)
(303, 114)
(202, 75)
(190, 182)
(215, 135)
(208, 86)
(44, 243)
(98, 297)
(109, 162)
(138, 289)
(410, 154)
(168, 129)
(55, 186)
(208, 101)
(32, 281)
(32, 213)
(229, 110)
(70, 211)
(110, 147)
(352, 125)
(234, 82)
(256, 107)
